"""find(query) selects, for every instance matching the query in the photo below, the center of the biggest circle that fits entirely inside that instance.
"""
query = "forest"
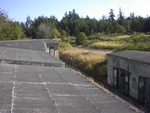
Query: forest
(71, 25)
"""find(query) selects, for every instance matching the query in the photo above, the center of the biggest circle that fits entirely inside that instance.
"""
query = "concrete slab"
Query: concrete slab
(39, 44)
(28, 57)
(30, 89)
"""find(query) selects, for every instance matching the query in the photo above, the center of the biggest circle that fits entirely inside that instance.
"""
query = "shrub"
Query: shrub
(55, 33)
(139, 38)
(65, 45)
(81, 39)
(100, 71)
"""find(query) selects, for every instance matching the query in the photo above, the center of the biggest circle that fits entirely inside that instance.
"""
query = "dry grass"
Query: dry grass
(90, 63)
(107, 45)
(82, 56)
(72, 51)
(90, 57)
(124, 36)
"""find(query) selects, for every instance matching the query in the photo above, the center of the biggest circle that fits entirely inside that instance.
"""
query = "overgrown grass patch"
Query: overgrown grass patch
(90, 63)
(139, 42)
(140, 46)
(107, 37)
(106, 45)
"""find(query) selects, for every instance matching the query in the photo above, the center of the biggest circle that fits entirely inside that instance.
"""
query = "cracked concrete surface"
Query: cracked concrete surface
(33, 81)
(36, 89)
(28, 57)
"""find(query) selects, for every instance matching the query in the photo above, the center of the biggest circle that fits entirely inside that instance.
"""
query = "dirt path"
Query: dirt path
(97, 51)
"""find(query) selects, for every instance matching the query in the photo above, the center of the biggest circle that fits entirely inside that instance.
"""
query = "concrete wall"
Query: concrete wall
(135, 69)
(133, 89)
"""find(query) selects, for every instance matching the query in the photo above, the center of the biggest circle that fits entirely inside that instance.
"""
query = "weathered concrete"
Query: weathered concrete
(28, 57)
(35, 89)
(131, 69)
(36, 44)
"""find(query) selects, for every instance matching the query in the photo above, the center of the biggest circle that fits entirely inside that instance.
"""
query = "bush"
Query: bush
(100, 71)
(140, 46)
(55, 33)
(81, 39)
(65, 45)
(139, 38)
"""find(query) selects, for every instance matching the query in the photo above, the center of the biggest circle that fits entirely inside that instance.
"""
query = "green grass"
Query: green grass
(139, 42)
(140, 46)
(102, 37)
(106, 45)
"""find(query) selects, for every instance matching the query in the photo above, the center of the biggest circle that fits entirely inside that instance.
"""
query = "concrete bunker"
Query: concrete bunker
(129, 72)
(30, 52)
(47, 45)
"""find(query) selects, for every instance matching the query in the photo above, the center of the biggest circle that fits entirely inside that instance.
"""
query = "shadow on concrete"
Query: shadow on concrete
(144, 107)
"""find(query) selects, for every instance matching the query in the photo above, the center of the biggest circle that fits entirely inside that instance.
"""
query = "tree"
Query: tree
(64, 35)
(29, 22)
(44, 31)
(56, 33)
(9, 30)
(111, 15)
(120, 16)
(147, 25)
(73, 24)
(81, 38)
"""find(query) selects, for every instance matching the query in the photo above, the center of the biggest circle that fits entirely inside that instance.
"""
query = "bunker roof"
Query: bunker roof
(28, 57)
(36, 89)
(140, 56)
(36, 44)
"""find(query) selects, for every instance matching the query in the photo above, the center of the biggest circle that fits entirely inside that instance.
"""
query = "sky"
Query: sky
(18, 10)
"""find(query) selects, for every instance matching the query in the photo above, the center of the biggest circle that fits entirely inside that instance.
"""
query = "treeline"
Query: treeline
(72, 24)
(9, 30)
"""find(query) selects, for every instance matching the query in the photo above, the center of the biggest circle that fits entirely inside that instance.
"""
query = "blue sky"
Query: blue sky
(18, 10)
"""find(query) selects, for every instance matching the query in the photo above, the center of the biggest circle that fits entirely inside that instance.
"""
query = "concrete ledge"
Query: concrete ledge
(31, 63)
(28, 57)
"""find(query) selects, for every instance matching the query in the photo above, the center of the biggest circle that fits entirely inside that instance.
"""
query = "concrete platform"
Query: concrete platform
(36, 89)
(36, 44)
(28, 57)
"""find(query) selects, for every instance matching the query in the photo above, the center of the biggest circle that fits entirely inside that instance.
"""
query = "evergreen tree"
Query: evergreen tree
(81, 38)
(111, 15)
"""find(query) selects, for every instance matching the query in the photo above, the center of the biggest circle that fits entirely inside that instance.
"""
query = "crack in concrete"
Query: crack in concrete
(44, 83)
(13, 89)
